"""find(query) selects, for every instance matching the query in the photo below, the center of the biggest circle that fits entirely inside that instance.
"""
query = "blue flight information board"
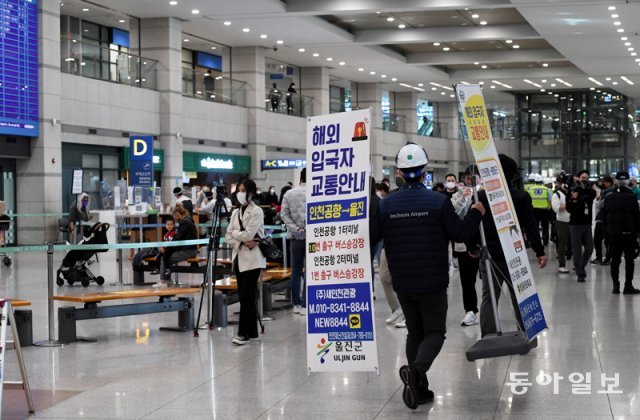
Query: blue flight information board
(19, 68)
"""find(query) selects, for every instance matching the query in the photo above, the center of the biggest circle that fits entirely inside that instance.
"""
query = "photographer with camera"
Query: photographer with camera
(580, 207)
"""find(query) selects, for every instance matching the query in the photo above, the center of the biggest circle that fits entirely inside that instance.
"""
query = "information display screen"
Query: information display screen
(19, 68)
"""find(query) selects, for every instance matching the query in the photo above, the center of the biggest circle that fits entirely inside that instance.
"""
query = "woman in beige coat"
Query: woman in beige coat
(243, 234)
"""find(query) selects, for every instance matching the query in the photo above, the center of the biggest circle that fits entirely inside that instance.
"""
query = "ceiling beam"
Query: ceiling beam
(446, 34)
(331, 7)
(485, 57)
(524, 73)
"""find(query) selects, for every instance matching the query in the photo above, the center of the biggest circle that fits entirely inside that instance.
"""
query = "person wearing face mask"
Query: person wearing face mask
(245, 230)
(201, 199)
(580, 207)
(450, 185)
(79, 212)
(270, 198)
(382, 190)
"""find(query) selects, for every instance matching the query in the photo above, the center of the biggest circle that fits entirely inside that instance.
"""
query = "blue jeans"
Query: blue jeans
(298, 296)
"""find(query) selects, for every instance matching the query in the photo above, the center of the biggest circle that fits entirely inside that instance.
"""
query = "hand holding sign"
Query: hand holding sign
(479, 207)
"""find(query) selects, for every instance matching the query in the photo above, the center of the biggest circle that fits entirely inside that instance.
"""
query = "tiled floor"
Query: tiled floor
(176, 376)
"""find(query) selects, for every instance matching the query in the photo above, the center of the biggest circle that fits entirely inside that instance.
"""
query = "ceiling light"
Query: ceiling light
(301, 50)
(620, 30)
(516, 46)
(263, 36)
(545, 64)
(608, 79)
(394, 79)
(342, 63)
(214, 48)
(434, 88)
(372, 73)
(484, 66)
(420, 84)
(481, 83)
(544, 80)
(173, 3)
(563, 82)
(402, 26)
(475, 16)
(195, 12)
(316, 55)
(446, 49)
(612, 8)
(475, 63)
(624, 38)
(508, 41)
(279, 42)
(329, 58)
(436, 44)
(246, 30)
(614, 16)
(384, 76)
(85, 9)
(617, 23)
(443, 93)
(483, 22)
(360, 69)
(615, 83)
(186, 40)
(390, 19)
(630, 49)
(452, 96)
(592, 88)
(493, 87)
(633, 54)
(227, 23)
(637, 60)
(597, 82)
(552, 85)
(627, 80)
(122, 21)
(627, 44)
(543, 90)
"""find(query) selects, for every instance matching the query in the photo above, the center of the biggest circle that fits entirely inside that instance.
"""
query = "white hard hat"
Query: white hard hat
(412, 156)
(531, 177)
(539, 178)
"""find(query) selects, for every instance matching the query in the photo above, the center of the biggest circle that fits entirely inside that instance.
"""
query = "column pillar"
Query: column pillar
(314, 82)
(249, 67)
(369, 95)
(39, 178)
(406, 103)
(448, 114)
(161, 40)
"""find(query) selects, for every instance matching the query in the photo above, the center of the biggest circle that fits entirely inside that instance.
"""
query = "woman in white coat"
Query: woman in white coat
(244, 231)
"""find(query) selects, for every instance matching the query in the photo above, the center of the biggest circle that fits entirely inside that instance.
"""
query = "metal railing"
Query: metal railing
(103, 63)
(288, 103)
(395, 123)
(215, 88)
(435, 129)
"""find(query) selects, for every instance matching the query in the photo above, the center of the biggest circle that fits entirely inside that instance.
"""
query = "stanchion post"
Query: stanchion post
(51, 342)
(261, 301)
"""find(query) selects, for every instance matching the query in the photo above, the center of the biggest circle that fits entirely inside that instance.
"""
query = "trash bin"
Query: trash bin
(220, 309)
(24, 325)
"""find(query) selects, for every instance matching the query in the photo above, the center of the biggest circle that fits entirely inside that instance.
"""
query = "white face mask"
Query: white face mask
(272, 191)
(379, 194)
(450, 185)
(242, 197)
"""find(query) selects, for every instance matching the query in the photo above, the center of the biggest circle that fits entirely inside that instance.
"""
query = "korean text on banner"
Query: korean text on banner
(141, 154)
(473, 108)
(341, 325)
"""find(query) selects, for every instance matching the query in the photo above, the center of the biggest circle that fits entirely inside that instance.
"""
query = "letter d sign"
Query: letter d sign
(139, 147)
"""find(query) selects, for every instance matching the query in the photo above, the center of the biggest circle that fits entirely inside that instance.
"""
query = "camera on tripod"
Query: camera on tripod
(221, 191)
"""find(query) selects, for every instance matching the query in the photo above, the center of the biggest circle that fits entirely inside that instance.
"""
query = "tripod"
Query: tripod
(212, 262)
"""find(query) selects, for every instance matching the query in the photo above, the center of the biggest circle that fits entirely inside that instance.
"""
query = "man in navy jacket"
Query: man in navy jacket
(416, 226)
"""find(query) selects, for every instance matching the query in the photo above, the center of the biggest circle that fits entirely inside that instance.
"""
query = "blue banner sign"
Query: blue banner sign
(282, 164)
(141, 154)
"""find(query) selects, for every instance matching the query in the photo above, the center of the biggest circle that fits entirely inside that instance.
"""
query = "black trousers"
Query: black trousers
(426, 318)
(468, 267)
(543, 218)
(487, 320)
(622, 244)
(599, 236)
(247, 286)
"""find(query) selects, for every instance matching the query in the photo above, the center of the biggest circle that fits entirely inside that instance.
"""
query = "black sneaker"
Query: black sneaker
(425, 395)
(155, 272)
(630, 290)
(410, 379)
(616, 290)
(582, 279)
(596, 261)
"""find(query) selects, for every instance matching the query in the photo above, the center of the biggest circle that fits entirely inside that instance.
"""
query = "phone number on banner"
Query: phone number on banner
(337, 211)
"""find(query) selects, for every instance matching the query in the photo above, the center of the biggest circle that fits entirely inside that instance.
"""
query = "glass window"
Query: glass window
(110, 162)
(90, 161)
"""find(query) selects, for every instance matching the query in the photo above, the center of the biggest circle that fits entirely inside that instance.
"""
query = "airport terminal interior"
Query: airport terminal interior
(119, 118)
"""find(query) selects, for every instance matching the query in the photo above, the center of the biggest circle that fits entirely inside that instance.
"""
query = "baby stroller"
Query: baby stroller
(74, 265)
(5, 222)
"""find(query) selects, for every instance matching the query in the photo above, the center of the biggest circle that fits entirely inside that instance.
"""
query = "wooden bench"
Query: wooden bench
(273, 281)
(68, 315)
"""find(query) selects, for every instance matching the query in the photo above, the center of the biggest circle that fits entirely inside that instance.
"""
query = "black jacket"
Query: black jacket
(621, 212)
(416, 226)
(528, 224)
(186, 232)
(581, 208)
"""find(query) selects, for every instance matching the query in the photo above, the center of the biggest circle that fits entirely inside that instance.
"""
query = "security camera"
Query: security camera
(275, 48)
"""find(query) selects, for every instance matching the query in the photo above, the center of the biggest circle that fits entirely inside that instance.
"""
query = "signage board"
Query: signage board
(270, 164)
(141, 157)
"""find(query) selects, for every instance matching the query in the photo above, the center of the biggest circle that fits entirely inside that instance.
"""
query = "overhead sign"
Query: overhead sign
(19, 68)
(141, 156)
(214, 163)
(282, 164)
(474, 111)
(340, 321)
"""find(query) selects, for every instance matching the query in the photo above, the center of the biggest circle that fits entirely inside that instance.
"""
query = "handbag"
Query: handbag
(267, 246)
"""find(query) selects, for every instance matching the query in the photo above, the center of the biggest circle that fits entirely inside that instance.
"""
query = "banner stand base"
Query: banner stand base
(493, 345)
